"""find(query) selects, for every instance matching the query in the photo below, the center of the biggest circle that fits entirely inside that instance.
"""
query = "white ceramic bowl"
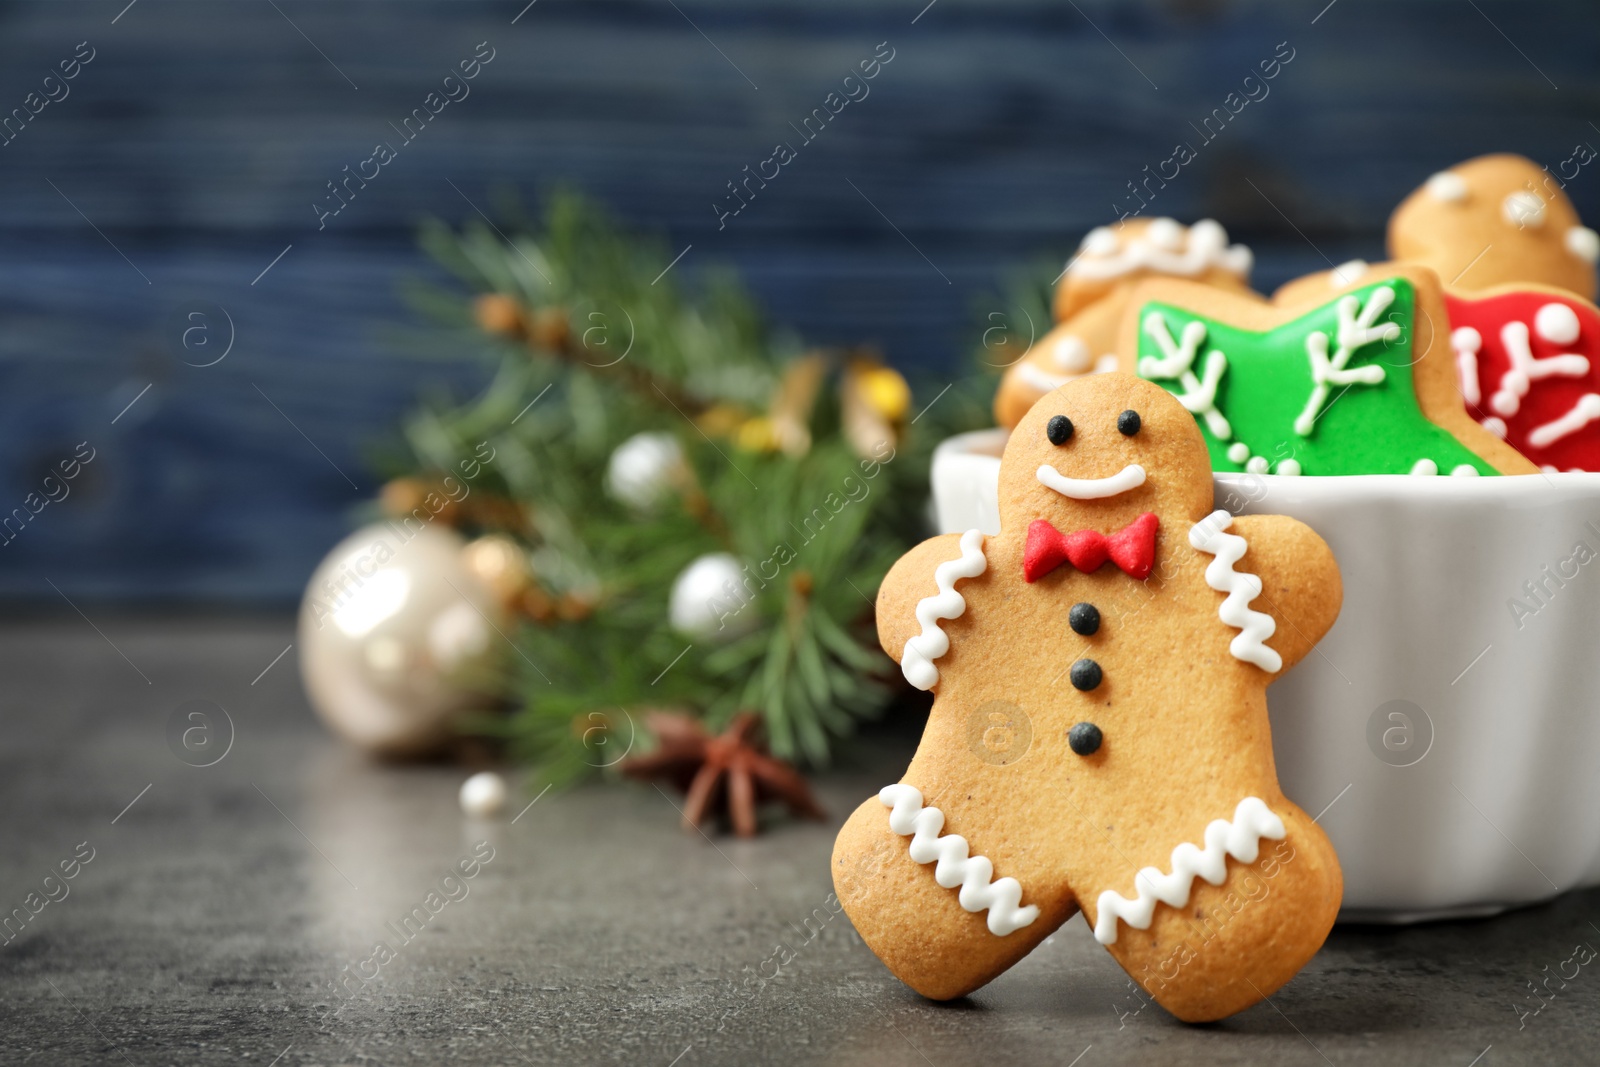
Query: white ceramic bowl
(1452, 736)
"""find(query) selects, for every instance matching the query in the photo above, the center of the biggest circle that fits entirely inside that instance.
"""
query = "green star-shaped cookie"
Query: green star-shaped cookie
(1328, 392)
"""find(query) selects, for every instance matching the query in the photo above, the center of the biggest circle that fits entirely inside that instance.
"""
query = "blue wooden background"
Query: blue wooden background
(188, 153)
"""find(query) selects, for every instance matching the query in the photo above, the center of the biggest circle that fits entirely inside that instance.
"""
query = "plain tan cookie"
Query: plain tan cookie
(1092, 295)
(1496, 220)
(1166, 648)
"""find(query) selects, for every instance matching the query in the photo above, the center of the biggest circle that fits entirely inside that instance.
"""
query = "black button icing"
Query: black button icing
(1058, 429)
(1086, 675)
(1084, 739)
(1129, 422)
(1084, 619)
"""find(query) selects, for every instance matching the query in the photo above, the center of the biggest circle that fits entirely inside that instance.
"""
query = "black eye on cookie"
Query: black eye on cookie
(1129, 422)
(1058, 429)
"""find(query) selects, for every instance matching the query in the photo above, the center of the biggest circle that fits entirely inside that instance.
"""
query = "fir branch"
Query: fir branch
(815, 529)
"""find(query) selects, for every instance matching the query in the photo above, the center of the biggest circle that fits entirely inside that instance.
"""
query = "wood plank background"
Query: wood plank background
(201, 133)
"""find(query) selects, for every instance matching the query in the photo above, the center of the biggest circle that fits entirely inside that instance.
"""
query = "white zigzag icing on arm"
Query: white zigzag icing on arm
(1241, 586)
(916, 661)
(1241, 839)
(955, 866)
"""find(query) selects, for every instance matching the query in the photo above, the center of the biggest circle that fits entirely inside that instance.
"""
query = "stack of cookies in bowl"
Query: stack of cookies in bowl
(1401, 500)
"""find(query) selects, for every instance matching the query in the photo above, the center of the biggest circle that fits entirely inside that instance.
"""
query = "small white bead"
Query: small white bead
(483, 795)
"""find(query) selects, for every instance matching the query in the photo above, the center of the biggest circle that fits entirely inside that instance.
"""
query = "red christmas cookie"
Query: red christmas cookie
(1528, 361)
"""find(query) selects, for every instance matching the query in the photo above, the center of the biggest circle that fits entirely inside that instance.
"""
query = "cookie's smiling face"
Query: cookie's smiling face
(1099, 452)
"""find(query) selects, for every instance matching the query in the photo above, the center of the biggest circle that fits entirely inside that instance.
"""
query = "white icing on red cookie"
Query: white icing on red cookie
(1528, 363)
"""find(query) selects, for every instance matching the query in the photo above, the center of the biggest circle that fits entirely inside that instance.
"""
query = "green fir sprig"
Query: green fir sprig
(593, 344)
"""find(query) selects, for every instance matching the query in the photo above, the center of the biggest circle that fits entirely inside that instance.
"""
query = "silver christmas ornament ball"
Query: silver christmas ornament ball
(392, 628)
(711, 599)
(644, 469)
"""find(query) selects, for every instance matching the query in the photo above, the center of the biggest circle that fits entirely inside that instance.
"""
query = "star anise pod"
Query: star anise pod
(730, 769)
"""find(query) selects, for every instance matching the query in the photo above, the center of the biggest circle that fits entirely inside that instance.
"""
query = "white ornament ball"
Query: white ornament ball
(391, 627)
(644, 469)
(710, 599)
(483, 795)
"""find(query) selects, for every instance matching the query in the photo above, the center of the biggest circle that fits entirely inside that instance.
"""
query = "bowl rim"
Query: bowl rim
(982, 447)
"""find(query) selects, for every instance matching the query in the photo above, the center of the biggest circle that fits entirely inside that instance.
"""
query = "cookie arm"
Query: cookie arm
(909, 581)
(1300, 584)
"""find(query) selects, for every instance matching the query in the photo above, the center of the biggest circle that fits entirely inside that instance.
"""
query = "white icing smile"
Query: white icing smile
(1129, 477)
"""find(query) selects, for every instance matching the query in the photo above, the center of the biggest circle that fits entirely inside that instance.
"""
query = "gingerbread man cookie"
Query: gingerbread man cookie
(1496, 220)
(1092, 294)
(1130, 632)
(1359, 381)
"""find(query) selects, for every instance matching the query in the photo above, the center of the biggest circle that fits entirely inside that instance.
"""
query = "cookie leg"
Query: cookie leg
(1231, 945)
(917, 927)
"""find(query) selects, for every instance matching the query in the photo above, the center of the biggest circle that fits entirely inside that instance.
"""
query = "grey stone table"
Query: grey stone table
(229, 914)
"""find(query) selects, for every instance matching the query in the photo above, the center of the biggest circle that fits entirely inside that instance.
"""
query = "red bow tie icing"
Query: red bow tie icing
(1132, 548)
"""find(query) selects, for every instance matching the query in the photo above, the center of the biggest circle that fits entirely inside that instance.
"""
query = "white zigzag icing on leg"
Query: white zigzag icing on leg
(916, 662)
(955, 866)
(1241, 586)
(1241, 839)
